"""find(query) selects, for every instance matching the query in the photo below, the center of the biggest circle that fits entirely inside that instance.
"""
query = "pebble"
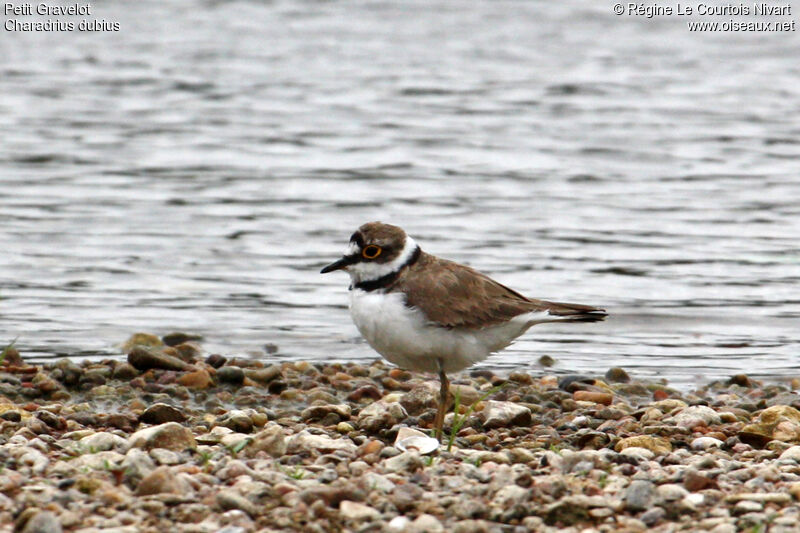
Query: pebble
(357, 512)
(216, 360)
(145, 358)
(379, 415)
(792, 453)
(198, 379)
(42, 522)
(125, 372)
(264, 375)
(162, 480)
(779, 422)
(546, 361)
(408, 462)
(603, 398)
(653, 516)
(639, 495)
(763, 497)
(230, 374)
(137, 464)
(696, 415)
(497, 414)
(740, 379)
(467, 395)
(617, 375)
(332, 496)
(671, 492)
(747, 506)
(179, 337)
(657, 445)
(320, 412)
(704, 443)
(141, 339)
(230, 500)
(305, 441)
(171, 436)
(270, 440)
(236, 420)
(638, 453)
(695, 481)
(373, 481)
(165, 457)
(425, 523)
(318, 446)
(367, 392)
(160, 413)
(102, 441)
(399, 524)
(510, 495)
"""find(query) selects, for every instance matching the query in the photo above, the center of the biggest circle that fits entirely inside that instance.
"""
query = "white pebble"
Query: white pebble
(704, 443)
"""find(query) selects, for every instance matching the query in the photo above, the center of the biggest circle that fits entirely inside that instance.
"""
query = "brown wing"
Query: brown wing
(456, 296)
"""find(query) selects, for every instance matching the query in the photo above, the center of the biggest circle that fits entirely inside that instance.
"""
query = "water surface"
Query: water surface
(196, 169)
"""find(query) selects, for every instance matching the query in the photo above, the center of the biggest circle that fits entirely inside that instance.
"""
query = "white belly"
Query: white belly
(403, 335)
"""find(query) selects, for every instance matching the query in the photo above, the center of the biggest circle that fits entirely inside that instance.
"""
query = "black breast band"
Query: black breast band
(384, 281)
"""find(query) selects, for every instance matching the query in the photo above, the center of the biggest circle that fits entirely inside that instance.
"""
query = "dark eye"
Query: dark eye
(371, 252)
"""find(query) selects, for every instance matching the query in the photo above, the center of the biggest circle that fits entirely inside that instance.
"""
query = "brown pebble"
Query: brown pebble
(187, 351)
(520, 377)
(176, 338)
(45, 383)
(694, 481)
(124, 371)
(617, 375)
(740, 379)
(603, 398)
(302, 366)
(119, 420)
(52, 420)
(406, 497)
(199, 379)
(400, 374)
(161, 480)
(369, 392)
(546, 361)
(391, 383)
(216, 360)
(143, 358)
(141, 339)
(332, 496)
(264, 375)
(160, 413)
(373, 446)
(660, 395)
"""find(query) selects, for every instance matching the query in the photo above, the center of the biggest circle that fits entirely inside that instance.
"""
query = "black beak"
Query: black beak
(344, 262)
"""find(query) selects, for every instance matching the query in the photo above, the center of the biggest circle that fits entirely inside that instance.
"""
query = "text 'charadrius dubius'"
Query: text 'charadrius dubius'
(429, 314)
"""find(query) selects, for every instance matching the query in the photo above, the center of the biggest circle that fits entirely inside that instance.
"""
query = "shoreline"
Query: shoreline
(172, 440)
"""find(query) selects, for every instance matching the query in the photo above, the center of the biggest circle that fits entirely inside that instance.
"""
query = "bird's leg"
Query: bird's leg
(443, 392)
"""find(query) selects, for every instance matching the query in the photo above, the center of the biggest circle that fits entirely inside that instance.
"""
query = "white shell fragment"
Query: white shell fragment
(411, 439)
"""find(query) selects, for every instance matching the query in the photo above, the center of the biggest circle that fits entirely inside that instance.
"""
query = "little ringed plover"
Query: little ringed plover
(428, 314)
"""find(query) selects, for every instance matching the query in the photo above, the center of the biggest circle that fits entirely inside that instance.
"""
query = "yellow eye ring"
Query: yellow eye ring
(371, 252)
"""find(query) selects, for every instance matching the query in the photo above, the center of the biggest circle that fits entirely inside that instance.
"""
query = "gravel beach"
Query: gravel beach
(173, 439)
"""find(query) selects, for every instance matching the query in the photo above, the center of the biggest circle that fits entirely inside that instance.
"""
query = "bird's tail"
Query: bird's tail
(575, 312)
